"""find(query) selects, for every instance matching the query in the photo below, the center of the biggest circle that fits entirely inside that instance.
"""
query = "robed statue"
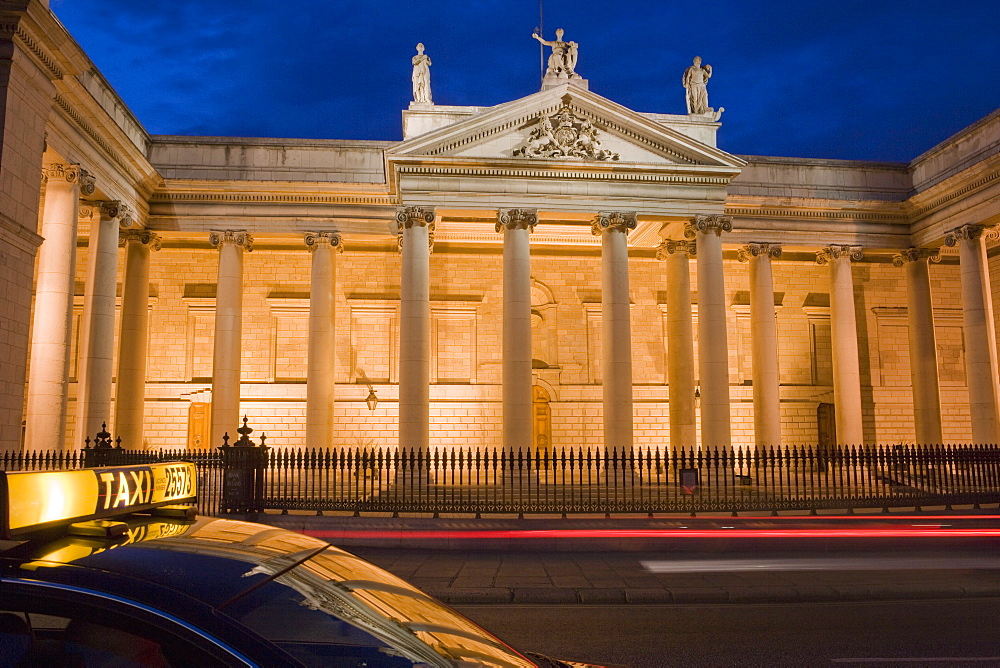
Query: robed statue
(421, 77)
(695, 80)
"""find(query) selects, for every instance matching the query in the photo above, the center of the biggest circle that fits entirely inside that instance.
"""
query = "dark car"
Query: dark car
(158, 586)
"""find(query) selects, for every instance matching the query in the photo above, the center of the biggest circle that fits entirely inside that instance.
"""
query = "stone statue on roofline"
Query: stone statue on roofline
(421, 77)
(562, 61)
(695, 81)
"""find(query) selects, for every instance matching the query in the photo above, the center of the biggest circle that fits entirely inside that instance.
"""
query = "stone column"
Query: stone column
(713, 346)
(616, 326)
(97, 326)
(227, 347)
(980, 335)
(52, 318)
(923, 345)
(763, 343)
(680, 343)
(133, 341)
(517, 225)
(320, 381)
(415, 227)
(844, 334)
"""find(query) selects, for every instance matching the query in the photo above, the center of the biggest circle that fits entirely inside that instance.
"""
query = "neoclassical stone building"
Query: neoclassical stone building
(558, 270)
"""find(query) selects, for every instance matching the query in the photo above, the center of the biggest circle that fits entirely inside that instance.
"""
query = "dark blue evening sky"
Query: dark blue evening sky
(856, 79)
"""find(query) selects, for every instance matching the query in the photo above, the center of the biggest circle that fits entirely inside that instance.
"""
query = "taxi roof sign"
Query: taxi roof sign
(36, 500)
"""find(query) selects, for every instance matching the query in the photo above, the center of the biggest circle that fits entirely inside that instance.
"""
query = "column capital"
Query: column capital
(314, 240)
(604, 221)
(914, 254)
(408, 216)
(116, 209)
(241, 238)
(968, 232)
(668, 247)
(852, 253)
(72, 174)
(752, 250)
(713, 224)
(517, 219)
(139, 236)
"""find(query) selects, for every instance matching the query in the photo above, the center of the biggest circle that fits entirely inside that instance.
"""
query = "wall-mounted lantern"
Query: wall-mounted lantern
(371, 399)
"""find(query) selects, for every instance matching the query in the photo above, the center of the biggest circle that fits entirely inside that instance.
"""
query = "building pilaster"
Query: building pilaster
(517, 225)
(228, 348)
(980, 333)
(844, 335)
(52, 318)
(616, 328)
(415, 226)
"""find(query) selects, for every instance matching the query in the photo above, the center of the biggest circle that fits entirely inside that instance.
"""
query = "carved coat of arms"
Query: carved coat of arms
(564, 135)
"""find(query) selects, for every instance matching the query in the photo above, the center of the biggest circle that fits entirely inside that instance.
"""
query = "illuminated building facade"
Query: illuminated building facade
(558, 270)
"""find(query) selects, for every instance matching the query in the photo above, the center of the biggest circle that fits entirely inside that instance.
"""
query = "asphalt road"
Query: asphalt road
(896, 633)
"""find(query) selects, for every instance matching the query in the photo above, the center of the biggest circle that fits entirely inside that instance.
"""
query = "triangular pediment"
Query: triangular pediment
(566, 123)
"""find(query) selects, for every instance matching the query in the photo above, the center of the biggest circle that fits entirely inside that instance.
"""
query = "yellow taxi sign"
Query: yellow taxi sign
(33, 500)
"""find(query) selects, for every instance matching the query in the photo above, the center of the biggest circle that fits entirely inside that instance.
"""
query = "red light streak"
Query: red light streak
(528, 534)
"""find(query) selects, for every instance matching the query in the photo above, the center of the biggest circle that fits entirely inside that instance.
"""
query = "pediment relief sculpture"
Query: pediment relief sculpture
(564, 135)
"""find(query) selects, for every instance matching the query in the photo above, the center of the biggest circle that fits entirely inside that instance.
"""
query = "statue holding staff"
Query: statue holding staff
(562, 60)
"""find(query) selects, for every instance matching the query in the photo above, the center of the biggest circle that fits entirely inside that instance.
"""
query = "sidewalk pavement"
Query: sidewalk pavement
(465, 561)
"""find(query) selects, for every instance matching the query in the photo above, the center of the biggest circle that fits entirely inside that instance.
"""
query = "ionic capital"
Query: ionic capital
(671, 246)
(915, 255)
(71, 174)
(139, 236)
(852, 253)
(116, 209)
(623, 221)
(969, 232)
(708, 225)
(314, 240)
(241, 238)
(408, 216)
(752, 250)
(517, 219)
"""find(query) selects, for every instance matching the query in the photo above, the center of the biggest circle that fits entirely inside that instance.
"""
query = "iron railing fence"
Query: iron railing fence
(636, 480)
(570, 480)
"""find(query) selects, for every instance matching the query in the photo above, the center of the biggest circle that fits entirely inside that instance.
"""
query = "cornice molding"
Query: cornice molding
(101, 142)
(953, 188)
(42, 56)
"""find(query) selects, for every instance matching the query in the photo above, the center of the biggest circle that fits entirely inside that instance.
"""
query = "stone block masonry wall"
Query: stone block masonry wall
(25, 101)
(467, 309)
